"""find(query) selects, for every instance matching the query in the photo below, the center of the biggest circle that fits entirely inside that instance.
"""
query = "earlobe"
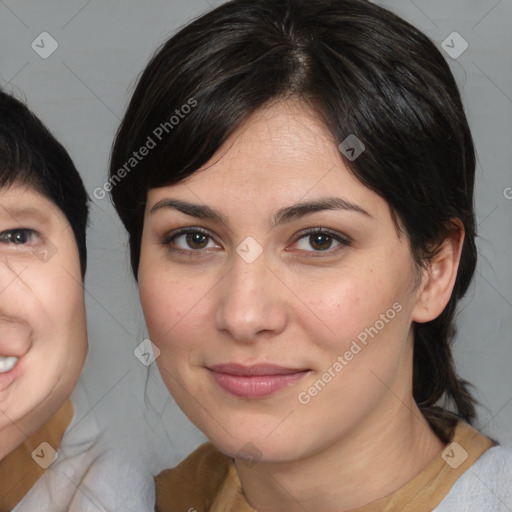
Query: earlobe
(439, 279)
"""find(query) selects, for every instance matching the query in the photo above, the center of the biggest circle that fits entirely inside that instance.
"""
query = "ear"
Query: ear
(439, 278)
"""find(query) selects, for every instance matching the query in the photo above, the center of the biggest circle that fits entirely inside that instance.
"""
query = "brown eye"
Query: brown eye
(17, 236)
(319, 240)
(189, 240)
(196, 240)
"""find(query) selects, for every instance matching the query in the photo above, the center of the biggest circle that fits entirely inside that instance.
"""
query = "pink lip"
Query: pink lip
(254, 381)
(8, 351)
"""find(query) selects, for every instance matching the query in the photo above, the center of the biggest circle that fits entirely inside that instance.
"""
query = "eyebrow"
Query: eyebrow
(19, 215)
(282, 216)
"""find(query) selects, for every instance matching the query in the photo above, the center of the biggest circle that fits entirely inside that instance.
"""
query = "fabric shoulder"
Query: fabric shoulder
(486, 486)
(194, 483)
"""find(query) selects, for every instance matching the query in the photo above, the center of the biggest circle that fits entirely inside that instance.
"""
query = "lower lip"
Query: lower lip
(7, 378)
(255, 386)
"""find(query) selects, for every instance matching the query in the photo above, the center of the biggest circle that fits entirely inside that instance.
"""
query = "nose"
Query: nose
(251, 301)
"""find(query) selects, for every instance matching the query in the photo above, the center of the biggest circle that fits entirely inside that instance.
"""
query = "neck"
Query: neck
(372, 461)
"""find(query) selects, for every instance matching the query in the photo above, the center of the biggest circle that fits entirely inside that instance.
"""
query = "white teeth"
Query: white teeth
(7, 363)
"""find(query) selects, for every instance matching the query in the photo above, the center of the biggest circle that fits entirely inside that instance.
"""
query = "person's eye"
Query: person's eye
(21, 236)
(189, 241)
(321, 240)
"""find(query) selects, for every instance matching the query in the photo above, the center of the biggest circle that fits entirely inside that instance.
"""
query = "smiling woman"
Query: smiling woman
(49, 456)
(43, 339)
(307, 231)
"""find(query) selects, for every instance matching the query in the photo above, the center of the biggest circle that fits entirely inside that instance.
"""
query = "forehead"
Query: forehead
(22, 202)
(286, 135)
(280, 155)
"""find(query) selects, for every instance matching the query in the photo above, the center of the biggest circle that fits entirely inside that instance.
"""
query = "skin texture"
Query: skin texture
(42, 313)
(295, 306)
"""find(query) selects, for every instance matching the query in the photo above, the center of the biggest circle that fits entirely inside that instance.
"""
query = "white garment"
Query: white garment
(86, 476)
(485, 487)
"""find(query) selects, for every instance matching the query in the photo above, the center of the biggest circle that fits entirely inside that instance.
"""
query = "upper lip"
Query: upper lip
(254, 369)
(11, 353)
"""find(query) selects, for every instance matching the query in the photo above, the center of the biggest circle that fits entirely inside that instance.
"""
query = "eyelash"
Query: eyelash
(29, 233)
(343, 240)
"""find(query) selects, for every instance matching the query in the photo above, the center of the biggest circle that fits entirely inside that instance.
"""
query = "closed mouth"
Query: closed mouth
(255, 381)
(253, 370)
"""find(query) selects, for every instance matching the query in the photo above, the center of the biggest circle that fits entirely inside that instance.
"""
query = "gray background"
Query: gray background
(81, 91)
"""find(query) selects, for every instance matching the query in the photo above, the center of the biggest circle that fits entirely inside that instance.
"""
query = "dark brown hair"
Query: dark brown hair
(365, 71)
(30, 155)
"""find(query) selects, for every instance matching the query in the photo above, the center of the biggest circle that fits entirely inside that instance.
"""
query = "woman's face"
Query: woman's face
(43, 338)
(275, 341)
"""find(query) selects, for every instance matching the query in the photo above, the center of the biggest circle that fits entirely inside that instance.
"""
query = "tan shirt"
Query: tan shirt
(207, 480)
(19, 471)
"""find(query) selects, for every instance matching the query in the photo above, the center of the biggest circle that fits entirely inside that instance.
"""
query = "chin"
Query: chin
(253, 446)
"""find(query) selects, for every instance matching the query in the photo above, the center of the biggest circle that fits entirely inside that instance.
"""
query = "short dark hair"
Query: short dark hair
(30, 155)
(365, 71)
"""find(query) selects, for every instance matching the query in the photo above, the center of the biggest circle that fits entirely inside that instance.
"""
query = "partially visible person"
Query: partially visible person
(49, 459)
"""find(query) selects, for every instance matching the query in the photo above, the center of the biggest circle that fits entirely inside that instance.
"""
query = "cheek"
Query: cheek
(55, 291)
(354, 305)
(172, 309)
(58, 290)
(343, 303)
